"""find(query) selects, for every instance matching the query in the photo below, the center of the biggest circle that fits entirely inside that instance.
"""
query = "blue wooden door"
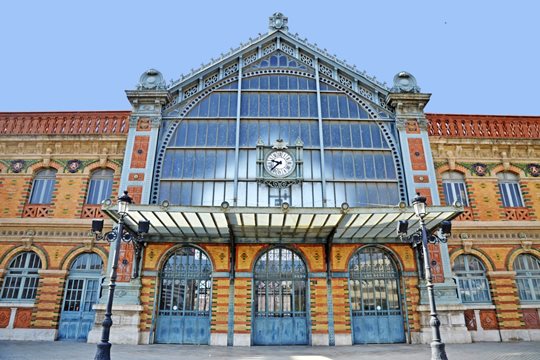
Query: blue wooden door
(81, 293)
(184, 305)
(375, 300)
(280, 299)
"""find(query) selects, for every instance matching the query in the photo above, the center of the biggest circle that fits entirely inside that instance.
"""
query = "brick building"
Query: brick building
(273, 179)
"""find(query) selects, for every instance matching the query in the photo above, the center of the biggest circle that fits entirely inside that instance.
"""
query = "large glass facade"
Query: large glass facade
(346, 156)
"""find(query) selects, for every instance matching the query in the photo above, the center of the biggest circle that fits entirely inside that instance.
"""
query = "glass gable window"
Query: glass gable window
(279, 60)
(454, 188)
(21, 281)
(510, 190)
(527, 269)
(200, 165)
(43, 187)
(100, 186)
(472, 282)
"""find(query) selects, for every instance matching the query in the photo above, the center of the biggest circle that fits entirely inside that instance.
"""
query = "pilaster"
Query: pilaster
(147, 102)
(419, 169)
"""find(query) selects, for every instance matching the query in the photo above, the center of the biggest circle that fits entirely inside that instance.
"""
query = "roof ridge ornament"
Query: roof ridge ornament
(404, 82)
(151, 80)
(278, 21)
(280, 144)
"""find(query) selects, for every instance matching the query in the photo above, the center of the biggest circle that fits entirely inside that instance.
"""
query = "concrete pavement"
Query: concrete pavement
(26, 350)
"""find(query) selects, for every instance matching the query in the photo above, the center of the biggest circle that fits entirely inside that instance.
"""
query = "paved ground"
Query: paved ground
(25, 350)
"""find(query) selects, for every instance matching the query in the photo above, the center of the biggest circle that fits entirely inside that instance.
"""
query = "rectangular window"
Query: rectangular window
(99, 190)
(42, 191)
(511, 194)
(455, 191)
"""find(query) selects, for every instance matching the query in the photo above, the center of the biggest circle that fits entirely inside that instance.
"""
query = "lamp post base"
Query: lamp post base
(103, 351)
(438, 351)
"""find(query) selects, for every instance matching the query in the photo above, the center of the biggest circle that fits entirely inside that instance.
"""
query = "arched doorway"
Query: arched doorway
(280, 299)
(81, 293)
(375, 300)
(184, 300)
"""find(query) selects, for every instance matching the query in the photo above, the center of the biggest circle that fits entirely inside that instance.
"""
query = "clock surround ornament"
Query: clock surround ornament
(277, 165)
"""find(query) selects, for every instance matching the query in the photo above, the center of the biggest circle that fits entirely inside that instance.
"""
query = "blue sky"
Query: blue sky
(477, 57)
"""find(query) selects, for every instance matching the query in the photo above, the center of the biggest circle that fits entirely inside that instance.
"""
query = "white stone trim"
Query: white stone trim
(52, 272)
(218, 339)
(520, 335)
(343, 339)
(501, 273)
(479, 306)
(17, 305)
(242, 339)
(320, 340)
(28, 334)
(530, 306)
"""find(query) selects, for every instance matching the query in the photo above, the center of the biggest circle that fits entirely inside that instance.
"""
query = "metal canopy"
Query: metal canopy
(252, 224)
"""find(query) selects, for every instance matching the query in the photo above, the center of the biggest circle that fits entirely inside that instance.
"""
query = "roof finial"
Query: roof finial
(278, 21)
(404, 82)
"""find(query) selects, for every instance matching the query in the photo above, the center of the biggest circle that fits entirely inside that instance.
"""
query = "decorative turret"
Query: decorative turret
(149, 98)
(408, 101)
(404, 82)
(147, 102)
(151, 80)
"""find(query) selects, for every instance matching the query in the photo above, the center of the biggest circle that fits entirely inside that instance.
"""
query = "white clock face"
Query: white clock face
(279, 163)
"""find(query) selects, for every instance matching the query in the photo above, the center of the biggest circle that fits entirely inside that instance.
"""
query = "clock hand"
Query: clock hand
(277, 163)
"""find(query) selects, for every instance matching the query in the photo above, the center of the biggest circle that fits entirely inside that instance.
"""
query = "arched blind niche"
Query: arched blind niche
(199, 161)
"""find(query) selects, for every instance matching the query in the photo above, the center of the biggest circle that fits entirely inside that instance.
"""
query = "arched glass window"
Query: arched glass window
(527, 269)
(472, 282)
(510, 190)
(22, 278)
(43, 186)
(87, 262)
(454, 188)
(200, 166)
(100, 186)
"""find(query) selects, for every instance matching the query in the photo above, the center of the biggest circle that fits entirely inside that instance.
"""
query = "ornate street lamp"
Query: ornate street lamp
(420, 237)
(116, 236)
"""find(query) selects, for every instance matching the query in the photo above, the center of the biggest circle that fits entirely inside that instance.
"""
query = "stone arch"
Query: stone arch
(33, 169)
(457, 168)
(515, 253)
(17, 249)
(170, 251)
(394, 257)
(68, 259)
(486, 260)
(513, 169)
(293, 249)
(99, 165)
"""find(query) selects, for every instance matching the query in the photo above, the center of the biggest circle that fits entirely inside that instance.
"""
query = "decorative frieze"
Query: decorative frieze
(45, 234)
(478, 126)
(60, 123)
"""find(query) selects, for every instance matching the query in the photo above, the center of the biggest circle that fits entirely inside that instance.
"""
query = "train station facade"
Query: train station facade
(273, 179)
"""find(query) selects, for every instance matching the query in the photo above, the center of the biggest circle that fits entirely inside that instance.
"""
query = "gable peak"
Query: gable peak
(278, 21)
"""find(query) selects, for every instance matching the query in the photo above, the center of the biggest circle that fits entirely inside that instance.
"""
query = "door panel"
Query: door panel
(81, 293)
(375, 299)
(184, 306)
(280, 300)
